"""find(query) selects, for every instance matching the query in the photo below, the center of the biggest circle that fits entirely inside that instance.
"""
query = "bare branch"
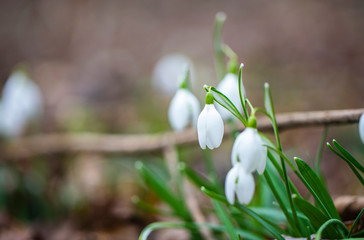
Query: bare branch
(135, 144)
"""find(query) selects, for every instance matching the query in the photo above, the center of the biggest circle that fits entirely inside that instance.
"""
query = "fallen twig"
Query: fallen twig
(31, 146)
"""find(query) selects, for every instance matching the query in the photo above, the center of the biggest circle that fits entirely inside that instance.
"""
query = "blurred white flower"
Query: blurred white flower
(229, 86)
(21, 101)
(183, 109)
(210, 127)
(361, 128)
(168, 70)
(240, 183)
(248, 150)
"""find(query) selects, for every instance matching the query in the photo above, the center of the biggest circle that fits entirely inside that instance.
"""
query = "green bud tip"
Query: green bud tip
(209, 98)
(138, 165)
(241, 65)
(252, 122)
(266, 85)
(135, 199)
(220, 16)
(232, 66)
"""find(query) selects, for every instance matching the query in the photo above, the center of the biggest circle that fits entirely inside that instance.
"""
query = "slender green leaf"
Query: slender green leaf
(196, 178)
(329, 223)
(161, 225)
(348, 156)
(225, 220)
(355, 222)
(268, 101)
(246, 210)
(352, 167)
(158, 185)
(218, 45)
(317, 189)
(316, 217)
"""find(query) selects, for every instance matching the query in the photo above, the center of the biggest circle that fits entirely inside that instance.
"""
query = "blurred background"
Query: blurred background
(112, 67)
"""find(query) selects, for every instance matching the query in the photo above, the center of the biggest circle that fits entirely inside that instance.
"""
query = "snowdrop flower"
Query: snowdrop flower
(240, 183)
(210, 127)
(361, 128)
(171, 66)
(183, 109)
(229, 86)
(21, 101)
(249, 151)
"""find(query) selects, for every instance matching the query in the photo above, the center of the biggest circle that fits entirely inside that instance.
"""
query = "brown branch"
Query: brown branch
(133, 144)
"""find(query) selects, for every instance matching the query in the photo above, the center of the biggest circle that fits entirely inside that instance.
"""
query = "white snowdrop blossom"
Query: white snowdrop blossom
(210, 127)
(240, 183)
(361, 128)
(229, 86)
(183, 110)
(21, 101)
(249, 151)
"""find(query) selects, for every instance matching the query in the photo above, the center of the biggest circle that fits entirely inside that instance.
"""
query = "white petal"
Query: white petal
(246, 149)
(361, 128)
(230, 184)
(262, 158)
(201, 128)
(229, 86)
(245, 187)
(178, 112)
(193, 107)
(215, 127)
(183, 108)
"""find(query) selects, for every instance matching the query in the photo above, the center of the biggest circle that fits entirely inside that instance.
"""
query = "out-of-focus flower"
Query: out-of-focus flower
(210, 127)
(168, 70)
(229, 86)
(249, 151)
(240, 183)
(361, 128)
(21, 101)
(183, 110)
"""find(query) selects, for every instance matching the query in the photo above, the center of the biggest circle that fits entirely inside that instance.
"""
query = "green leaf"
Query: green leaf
(268, 101)
(262, 221)
(196, 178)
(158, 185)
(329, 223)
(355, 222)
(225, 220)
(352, 167)
(316, 217)
(348, 156)
(317, 189)
(218, 45)
(161, 225)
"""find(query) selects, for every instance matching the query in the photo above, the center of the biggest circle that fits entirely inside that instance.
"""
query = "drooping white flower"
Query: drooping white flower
(361, 128)
(21, 101)
(229, 86)
(183, 110)
(210, 127)
(169, 68)
(248, 150)
(240, 183)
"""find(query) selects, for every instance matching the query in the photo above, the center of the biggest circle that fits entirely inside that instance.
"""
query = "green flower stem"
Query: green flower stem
(279, 148)
(218, 45)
